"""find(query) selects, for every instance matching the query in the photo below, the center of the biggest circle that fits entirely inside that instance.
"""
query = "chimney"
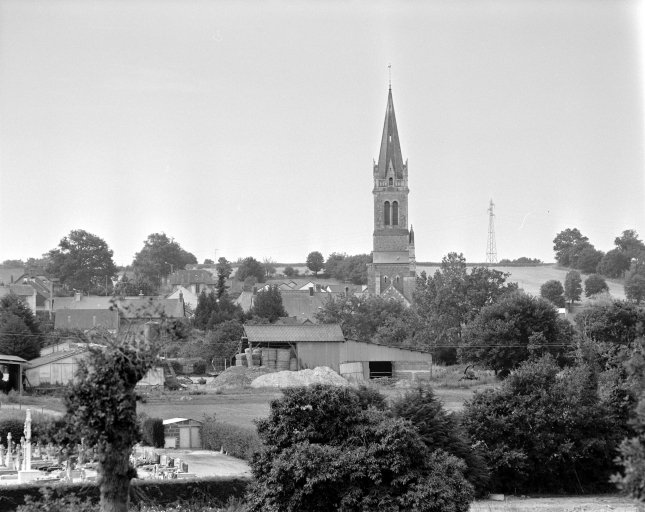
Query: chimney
(255, 290)
(311, 291)
(181, 296)
(317, 287)
(140, 293)
(77, 295)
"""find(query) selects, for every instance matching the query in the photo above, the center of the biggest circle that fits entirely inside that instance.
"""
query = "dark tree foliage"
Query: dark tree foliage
(323, 452)
(250, 267)
(441, 431)
(554, 291)
(139, 285)
(635, 287)
(503, 335)
(13, 304)
(616, 323)
(567, 244)
(16, 339)
(545, 430)
(159, 255)
(209, 261)
(211, 310)
(588, 260)
(451, 299)
(289, 271)
(521, 262)
(595, 284)
(222, 341)
(81, 260)
(360, 317)
(315, 262)
(614, 264)
(370, 397)
(268, 304)
(224, 270)
(348, 268)
(572, 286)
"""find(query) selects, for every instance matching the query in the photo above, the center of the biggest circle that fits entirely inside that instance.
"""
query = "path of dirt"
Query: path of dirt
(601, 503)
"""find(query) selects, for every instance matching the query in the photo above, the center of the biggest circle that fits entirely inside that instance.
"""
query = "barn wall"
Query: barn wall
(312, 354)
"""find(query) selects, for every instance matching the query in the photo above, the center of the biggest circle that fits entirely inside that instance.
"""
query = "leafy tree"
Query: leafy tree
(635, 287)
(545, 430)
(614, 264)
(441, 431)
(360, 317)
(451, 299)
(323, 452)
(572, 286)
(159, 255)
(224, 270)
(595, 284)
(588, 260)
(12, 264)
(209, 261)
(16, 339)
(629, 243)
(268, 264)
(139, 285)
(250, 267)
(614, 323)
(81, 260)
(334, 265)
(315, 262)
(101, 410)
(289, 271)
(503, 334)
(13, 304)
(348, 268)
(222, 341)
(564, 242)
(553, 290)
(268, 304)
(212, 310)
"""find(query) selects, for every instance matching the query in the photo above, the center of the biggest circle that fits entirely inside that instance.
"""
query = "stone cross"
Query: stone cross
(27, 443)
(9, 458)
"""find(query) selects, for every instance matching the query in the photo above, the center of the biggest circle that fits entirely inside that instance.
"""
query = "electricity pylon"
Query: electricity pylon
(491, 249)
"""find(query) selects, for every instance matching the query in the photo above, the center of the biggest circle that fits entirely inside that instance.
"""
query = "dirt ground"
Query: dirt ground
(601, 503)
(208, 463)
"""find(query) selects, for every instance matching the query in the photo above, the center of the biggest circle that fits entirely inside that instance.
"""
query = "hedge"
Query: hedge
(16, 427)
(236, 441)
(161, 492)
(152, 432)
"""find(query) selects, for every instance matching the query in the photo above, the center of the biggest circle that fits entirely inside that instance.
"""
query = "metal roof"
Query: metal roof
(294, 333)
(179, 420)
(56, 356)
(4, 359)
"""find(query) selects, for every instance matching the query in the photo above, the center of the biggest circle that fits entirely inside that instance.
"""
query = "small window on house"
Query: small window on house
(391, 182)
(386, 213)
(397, 279)
(196, 288)
(390, 138)
(395, 213)
(385, 279)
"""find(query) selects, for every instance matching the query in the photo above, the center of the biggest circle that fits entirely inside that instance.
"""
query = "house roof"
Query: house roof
(186, 277)
(6, 274)
(22, 290)
(86, 319)
(294, 333)
(392, 292)
(55, 356)
(85, 302)
(298, 303)
(151, 308)
(5, 359)
(179, 420)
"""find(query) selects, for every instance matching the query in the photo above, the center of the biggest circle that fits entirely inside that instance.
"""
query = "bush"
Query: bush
(370, 397)
(441, 431)
(178, 367)
(172, 383)
(16, 427)
(152, 432)
(545, 430)
(237, 441)
(143, 493)
(323, 452)
(595, 284)
(199, 367)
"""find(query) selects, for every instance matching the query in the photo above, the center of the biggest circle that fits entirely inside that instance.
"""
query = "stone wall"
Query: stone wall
(391, 242)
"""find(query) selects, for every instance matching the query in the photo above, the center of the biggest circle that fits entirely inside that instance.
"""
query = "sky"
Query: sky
(250, 128)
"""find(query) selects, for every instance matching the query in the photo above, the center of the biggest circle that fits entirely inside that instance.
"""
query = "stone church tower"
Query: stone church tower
(393, 271)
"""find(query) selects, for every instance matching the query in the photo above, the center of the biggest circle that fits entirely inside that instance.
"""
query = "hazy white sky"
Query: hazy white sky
(250, 127)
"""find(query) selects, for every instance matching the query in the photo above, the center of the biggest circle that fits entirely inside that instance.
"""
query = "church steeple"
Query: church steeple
(390, 156)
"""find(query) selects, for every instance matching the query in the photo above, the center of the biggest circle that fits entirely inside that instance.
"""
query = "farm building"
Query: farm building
(11, 367)
(182, 433)
(325, 345)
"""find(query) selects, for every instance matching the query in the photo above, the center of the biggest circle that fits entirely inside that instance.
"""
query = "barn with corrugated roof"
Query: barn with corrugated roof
(325, 345)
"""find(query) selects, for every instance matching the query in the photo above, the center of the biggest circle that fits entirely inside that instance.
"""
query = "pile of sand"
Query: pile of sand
(287, 379)
(238, 376)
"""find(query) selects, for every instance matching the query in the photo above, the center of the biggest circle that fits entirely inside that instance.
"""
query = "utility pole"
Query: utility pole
(491, 248)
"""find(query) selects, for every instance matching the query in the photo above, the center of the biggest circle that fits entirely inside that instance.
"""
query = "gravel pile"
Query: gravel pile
(238, 376)
(288, 379)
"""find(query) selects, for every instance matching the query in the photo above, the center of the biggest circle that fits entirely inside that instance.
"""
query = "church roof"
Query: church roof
(390, 153)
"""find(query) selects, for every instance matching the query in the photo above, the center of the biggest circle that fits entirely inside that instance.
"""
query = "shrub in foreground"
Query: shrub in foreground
(545, 430)
(442, 431)
(322, 451)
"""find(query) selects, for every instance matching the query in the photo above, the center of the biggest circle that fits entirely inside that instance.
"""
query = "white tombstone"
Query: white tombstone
(27, 474)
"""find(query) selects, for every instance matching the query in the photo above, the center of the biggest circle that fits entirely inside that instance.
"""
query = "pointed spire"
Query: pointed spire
(390, 156)
(411, 241)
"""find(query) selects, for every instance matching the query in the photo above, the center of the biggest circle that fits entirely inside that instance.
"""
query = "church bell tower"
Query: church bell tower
(393, 268)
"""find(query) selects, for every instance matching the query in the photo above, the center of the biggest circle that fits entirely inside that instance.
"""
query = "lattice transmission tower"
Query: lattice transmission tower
(491, 248)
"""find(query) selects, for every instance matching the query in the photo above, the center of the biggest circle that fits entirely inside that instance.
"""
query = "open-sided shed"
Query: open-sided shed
(11, 367)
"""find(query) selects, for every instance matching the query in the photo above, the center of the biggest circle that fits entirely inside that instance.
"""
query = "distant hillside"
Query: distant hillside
(531, 278)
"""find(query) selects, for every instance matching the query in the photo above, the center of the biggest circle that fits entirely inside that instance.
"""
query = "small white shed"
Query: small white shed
(182, 433)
